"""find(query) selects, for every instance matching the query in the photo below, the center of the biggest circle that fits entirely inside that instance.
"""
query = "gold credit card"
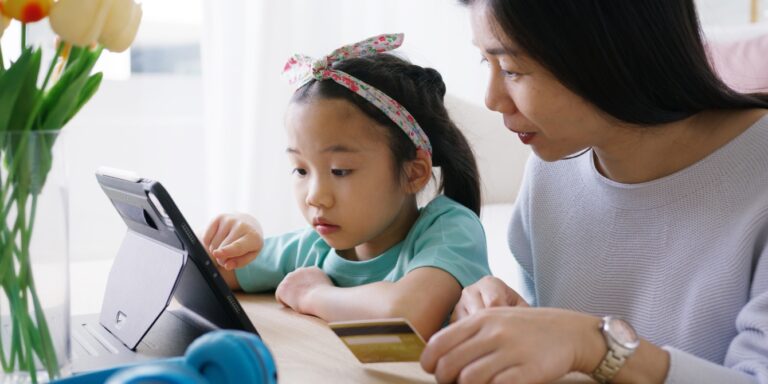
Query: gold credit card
(380, 340)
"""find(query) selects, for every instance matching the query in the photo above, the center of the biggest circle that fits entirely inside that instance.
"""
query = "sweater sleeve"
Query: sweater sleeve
(747, 357)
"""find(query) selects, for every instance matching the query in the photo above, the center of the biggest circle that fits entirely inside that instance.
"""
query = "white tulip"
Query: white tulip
(112, 23)
(121, 25)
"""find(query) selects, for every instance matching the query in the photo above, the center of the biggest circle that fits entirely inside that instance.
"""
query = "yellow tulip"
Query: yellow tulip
(112, 23)
(26, 11)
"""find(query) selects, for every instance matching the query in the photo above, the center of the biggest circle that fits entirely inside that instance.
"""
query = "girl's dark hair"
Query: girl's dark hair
(421, 91)
(640, 61)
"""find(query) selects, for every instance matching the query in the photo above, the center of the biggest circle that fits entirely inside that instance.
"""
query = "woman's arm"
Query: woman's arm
(523, 345)
(425, 296)
(530, 345)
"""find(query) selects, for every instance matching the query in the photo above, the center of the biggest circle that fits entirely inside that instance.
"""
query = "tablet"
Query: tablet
(157, 235)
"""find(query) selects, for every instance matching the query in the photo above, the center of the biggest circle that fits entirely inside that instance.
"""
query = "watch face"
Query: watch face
(623, 333)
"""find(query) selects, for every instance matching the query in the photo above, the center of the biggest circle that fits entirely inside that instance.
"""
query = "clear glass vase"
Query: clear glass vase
(34, 258)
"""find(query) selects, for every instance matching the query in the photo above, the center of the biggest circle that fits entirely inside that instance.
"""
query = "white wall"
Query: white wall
(155, 125)
(149, 125)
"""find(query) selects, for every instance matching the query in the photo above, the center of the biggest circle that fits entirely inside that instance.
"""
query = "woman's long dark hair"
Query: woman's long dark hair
(640, 61)
(421, 91)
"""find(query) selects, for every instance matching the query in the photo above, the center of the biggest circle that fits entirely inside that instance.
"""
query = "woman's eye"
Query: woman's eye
(341, 172)
(511, 74)
(299, 171)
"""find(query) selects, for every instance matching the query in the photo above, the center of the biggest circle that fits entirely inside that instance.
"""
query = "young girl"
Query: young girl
(365, 129)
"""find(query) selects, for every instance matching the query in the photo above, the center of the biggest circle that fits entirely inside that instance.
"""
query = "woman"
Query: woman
(661, 222)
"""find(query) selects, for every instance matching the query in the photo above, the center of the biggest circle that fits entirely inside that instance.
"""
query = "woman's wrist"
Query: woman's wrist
(649, 363)
(591, 347)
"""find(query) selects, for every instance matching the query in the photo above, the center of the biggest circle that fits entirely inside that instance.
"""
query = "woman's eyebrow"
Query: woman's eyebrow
(501, 52)
(498, 51)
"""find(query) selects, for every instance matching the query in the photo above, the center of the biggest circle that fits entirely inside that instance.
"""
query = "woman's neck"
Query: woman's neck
(637, 155)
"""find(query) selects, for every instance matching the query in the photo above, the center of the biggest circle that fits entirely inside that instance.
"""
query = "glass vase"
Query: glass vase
(34, 262)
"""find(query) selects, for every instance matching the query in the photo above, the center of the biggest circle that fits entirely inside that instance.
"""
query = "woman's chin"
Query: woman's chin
(551, 156)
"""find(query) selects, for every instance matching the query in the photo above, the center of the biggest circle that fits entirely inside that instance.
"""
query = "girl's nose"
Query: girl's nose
(319, 195)
(497, 97)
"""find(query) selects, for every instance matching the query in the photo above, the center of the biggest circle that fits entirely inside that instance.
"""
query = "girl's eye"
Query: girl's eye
(341, 172)
(299, 171)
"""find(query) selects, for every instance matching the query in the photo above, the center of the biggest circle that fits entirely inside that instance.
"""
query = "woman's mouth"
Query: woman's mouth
(526, 137)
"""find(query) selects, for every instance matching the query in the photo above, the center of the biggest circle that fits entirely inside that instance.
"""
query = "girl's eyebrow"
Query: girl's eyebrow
(337, 148)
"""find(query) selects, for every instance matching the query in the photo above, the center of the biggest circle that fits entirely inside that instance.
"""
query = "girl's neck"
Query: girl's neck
(638, 155)
(390, 237)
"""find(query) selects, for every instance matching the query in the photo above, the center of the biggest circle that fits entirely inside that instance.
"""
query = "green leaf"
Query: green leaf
(65, 94)
(90, 88)
(15, 84)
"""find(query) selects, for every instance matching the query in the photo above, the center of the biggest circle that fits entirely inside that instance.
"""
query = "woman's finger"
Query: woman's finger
(472, 300)
(447, 339)
(450, 365)
(485, 368)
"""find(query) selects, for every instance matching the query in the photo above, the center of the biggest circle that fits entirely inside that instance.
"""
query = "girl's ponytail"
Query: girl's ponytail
(450, 149)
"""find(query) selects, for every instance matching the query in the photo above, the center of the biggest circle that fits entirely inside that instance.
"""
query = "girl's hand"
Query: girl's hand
(295, 289)
(485, 293)
(515, 345)
(233, 240)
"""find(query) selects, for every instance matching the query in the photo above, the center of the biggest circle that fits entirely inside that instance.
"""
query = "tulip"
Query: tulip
(111, 23)
(4, 21)
(26, 11)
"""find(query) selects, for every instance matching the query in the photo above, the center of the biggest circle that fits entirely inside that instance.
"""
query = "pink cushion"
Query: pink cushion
(742, 63)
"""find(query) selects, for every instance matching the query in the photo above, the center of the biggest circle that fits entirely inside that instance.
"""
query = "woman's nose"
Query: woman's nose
(497, 97)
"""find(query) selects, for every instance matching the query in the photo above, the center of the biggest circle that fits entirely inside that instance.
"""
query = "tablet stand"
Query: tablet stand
(140, 286)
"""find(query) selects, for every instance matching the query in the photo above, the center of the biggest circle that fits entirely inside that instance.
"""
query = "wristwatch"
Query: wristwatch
(622, 341)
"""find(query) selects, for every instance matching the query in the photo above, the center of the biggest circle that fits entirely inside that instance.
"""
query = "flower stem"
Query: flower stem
(53, 65)
(23, 36)
(2, 62)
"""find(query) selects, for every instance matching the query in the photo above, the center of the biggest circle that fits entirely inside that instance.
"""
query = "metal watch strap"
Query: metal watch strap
(608, 367)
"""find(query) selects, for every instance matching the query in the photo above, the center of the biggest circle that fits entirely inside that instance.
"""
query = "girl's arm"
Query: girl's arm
(425, 296)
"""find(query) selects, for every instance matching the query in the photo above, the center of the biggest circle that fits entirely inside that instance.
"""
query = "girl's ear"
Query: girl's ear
(418, 172)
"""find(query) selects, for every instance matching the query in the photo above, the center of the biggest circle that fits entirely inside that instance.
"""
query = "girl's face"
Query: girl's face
(344, 177)
(554, 121)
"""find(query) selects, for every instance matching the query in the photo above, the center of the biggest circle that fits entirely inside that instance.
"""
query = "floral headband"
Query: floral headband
(301, 69)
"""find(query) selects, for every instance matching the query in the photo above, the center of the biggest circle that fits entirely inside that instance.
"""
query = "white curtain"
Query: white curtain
(245, 45)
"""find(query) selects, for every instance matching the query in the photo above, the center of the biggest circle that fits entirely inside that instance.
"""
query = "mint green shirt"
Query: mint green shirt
(446, 235)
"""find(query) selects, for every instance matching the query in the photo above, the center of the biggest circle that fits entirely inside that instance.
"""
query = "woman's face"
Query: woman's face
(554, 121)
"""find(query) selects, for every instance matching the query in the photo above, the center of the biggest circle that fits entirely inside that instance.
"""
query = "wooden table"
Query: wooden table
(307, 351)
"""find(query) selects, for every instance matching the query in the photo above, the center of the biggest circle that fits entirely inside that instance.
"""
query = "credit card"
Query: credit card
(380, 340)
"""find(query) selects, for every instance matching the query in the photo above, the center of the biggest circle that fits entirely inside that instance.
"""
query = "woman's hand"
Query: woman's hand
(296, 288)
(515, 345)
(485, 293)
(233, 240)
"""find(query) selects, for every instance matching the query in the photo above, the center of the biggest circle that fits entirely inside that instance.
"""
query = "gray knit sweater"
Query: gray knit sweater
(683, 258)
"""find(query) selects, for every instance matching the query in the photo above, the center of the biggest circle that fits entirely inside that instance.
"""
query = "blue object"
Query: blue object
(220, 357)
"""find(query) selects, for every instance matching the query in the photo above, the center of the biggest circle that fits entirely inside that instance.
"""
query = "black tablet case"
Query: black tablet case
(160, 259)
